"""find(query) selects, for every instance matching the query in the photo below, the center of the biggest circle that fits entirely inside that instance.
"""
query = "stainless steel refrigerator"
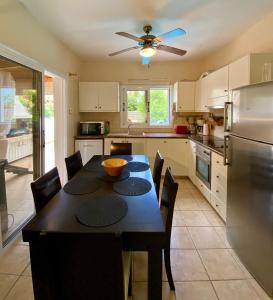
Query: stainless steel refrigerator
(249, 155)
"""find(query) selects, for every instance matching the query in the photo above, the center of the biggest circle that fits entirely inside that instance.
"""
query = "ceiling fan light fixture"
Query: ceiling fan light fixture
(147, 51)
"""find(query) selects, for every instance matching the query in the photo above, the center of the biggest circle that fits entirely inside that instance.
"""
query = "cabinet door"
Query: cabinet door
(152, 145)
(88, 148)
(239, 73)
(178, 156)
(201, 97)
(88, 96)
(218, 83)
(109, 97)
(184, 92)
(138, 145)
(108, 141)
(192, 161)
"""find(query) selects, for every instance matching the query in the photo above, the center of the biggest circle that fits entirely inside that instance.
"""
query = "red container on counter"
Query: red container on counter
(181, 129)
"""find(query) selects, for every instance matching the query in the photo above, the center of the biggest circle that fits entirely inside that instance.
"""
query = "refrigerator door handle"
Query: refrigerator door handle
(227, 120)
(227, 157)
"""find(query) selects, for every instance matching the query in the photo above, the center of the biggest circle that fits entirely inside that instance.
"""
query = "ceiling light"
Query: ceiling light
(147, 51)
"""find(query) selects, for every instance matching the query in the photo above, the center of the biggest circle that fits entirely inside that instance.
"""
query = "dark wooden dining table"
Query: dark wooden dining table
(141, 229)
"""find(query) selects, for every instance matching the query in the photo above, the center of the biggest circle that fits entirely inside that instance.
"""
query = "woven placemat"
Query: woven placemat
(137, 166)
(102, 211)
(82, 185)
(94, 166)
(105, 177)
(133, 186)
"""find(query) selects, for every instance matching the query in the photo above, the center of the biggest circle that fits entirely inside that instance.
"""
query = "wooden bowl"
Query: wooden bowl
(114, 166)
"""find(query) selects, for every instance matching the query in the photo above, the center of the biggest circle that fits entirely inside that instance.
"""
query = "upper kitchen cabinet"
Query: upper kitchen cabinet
(217, 87)
(184, 93)
(249, 69)
(201, 95)
(99, 97)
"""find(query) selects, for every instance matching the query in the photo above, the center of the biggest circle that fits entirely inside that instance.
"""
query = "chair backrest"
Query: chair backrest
(73, 164)
(100, 276)
(168, 197)
(157, 170)
(121, 149)
(45, 187)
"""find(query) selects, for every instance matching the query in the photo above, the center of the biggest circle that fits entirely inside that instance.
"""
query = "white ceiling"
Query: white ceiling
(88, 26)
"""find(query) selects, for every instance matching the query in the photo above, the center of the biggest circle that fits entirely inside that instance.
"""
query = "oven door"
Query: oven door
(203, 170)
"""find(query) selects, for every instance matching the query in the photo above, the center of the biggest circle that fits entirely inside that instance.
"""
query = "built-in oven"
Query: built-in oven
(203, 165)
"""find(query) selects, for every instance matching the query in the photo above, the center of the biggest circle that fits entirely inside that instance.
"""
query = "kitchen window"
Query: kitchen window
(147, 106)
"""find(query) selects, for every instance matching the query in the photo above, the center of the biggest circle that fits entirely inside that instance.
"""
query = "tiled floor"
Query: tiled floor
(203, 265)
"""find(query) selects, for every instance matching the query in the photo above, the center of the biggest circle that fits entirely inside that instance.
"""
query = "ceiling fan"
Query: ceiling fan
(149, 44)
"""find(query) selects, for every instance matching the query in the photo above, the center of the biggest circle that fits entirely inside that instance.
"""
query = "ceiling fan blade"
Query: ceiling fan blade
(145, 60)
(130, 36)
(124, 50)
(170, 35)
(172, 50)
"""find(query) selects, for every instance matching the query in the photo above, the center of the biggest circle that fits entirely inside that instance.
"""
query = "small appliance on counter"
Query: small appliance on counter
(181, 129)
(94, 127)
(199, 126)
(206, 129)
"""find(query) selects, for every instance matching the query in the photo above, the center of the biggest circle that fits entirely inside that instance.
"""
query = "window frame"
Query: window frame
(123, 105)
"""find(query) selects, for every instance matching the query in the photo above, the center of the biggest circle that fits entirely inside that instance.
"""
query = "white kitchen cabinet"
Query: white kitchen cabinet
(192, 162)
(99, 97)
(217, 87)
(88, 148)
(201, 95)
(138, 144)
(219, 184)
(174, 152)
(248, 70)
(184, 93)
(203, 189)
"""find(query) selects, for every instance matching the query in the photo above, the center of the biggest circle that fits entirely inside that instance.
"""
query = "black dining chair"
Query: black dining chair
(73, 164)
(168, 197)
(106, 274)
(121, 149)
(157, 170)
(45, 187)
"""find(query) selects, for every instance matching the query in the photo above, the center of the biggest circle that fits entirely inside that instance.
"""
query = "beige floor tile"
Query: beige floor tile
(27, 271)
(187, 266)
(140, 266)
(14, 260)
(181, 239)
(259, 291)
(205, 238)
(244, 269)
(221, 231)
(6, 283)
(220, 264)
(140, 291)
(186, 204)
(178, 219)
(203, 204)
(213, 218)
(194, 218)
(235, 290)
(194, 290)
(22, 289)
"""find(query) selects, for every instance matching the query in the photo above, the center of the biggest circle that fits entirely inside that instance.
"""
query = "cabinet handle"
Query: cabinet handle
(99, 107)
(96, 107)
(217, 191)
(218, 162)
(164, 142)
(225, 91)
(216, 205)
(217, 176)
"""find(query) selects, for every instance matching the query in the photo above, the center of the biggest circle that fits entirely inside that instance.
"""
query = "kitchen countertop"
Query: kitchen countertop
(211, 142)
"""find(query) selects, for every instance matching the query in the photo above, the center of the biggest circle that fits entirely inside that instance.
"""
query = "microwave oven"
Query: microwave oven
(94, 127)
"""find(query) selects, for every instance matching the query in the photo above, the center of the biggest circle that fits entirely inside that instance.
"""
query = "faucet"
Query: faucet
(129, 125)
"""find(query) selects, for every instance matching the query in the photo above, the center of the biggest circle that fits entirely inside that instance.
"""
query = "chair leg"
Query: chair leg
(167, 260)
(130, 285)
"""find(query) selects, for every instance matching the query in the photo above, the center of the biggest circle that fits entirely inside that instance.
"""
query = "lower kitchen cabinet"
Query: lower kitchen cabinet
(203, 189)
(19, 147)
(88, 148)
(192, 161)
(174, 151)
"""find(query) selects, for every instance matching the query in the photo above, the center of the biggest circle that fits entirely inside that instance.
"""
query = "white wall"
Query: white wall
(21, 32)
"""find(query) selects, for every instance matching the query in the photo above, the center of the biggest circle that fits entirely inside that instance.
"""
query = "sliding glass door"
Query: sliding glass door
(20, 143)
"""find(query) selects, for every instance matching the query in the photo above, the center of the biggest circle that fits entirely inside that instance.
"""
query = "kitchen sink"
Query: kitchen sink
(122, 134)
